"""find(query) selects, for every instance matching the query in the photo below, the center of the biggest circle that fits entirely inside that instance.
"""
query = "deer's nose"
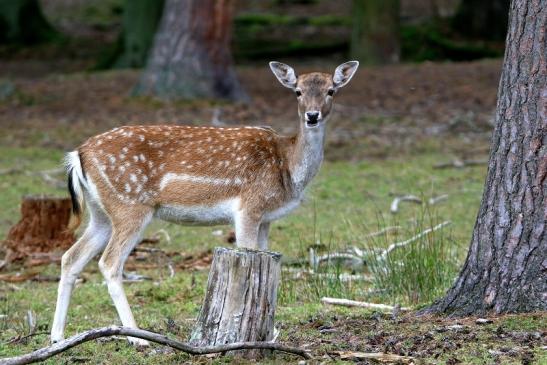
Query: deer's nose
(312, 116)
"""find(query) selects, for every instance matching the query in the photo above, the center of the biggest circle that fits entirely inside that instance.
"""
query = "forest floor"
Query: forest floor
(391, 127)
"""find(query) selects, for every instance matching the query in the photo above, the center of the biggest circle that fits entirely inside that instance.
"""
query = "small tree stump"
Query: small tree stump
(42, 228)
(241, 298)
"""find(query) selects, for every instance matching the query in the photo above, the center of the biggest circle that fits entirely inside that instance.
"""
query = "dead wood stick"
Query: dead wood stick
(354, 303)
(395, 245)
(297, 274)
(406, 198)
(383, 231)
(437, 199)
(49, 351)
(458, 164)
(23, 338)
(378, 356)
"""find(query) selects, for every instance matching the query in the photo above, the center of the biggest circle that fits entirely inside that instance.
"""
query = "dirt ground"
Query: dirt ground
(383, 111)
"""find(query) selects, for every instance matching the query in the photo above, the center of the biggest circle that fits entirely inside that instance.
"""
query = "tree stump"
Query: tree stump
(241, 298)
(42, 228)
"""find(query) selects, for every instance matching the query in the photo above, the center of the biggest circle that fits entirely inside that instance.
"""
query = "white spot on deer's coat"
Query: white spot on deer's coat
(142, 158)
(133, 177)
(169, 177)
(127, 188)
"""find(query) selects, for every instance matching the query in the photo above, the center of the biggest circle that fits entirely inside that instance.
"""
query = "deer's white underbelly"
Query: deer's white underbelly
(283, 210)
(220, 213)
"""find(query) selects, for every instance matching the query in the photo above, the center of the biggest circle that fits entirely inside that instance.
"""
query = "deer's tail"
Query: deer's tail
(76, 186)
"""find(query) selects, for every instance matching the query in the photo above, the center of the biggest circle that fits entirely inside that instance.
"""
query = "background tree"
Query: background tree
(482, 19)
(22, 21)
(506, 268)
(139, 23)
(191, 55)
(375, 33)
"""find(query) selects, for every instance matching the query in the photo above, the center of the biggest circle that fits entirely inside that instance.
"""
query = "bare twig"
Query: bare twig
(377, 356)
(437, 199)
(395, 245)
(383, 231)
(343, 277)
(406, 198)
(49, 351)
(354, 303)
(458, 164)
(20, 339)
(163, 233)
(336, 256)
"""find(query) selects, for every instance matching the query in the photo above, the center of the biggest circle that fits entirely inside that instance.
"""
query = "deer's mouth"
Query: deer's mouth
(312, 123)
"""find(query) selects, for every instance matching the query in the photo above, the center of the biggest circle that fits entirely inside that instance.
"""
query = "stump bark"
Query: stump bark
(42, 228)
(241, 298)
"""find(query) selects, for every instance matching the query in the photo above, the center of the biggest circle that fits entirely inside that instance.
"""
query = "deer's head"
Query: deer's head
(314, 91)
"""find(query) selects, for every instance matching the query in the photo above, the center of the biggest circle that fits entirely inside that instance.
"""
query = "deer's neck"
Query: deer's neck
(306, 155)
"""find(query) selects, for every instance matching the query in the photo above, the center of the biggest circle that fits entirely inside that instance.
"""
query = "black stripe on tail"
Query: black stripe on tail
(76, 209)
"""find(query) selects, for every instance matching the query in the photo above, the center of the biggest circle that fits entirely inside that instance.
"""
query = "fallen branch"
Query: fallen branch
(393, 246)
(49, 351)
(296, 274)
(406, 198)
(334, 256)
(354, 303)
(437, 199)
(383, 231)
(458, 164)
(378, 356)
(19, 339)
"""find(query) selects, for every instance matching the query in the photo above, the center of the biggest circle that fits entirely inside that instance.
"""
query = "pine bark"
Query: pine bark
(191, 56)
(375, 33)
(506, 267)
(43, 228)
(241, 298)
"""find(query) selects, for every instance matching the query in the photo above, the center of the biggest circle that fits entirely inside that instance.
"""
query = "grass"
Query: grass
(346, 202)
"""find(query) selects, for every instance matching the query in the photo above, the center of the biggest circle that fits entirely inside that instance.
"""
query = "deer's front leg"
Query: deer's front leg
(246, 227)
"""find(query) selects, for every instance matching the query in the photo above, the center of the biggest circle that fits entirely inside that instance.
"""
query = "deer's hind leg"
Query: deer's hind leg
(92, 242)
(126, 233)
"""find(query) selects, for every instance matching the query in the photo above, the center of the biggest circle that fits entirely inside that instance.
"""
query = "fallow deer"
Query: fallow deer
(246, 176)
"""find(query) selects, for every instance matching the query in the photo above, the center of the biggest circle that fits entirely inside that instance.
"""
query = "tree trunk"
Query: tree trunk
(375, 34)
(42, 228)
(140, 21)
(483, 19)
(191, 55)
(506, 267)
(22, 21)
(241, 298)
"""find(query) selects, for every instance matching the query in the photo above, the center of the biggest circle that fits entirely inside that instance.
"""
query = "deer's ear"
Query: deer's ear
(284, 73)
(344, 73)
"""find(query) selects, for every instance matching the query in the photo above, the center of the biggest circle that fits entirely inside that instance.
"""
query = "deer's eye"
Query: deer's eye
(330, 92)
(298, 93)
